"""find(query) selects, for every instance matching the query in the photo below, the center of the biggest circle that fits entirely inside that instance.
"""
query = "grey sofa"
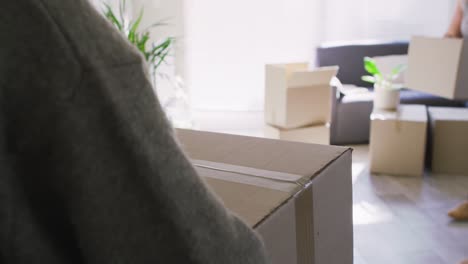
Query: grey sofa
(350, 113)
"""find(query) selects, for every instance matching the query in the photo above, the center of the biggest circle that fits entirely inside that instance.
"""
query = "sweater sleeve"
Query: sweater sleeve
(99, 162)
(133, 194)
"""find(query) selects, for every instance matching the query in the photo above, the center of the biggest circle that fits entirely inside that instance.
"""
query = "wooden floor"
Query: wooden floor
(404, 219)
(397, 220)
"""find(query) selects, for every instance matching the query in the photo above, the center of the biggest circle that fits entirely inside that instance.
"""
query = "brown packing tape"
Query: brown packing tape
(285, 182)
(253, 172)
(304, 228)
(230, 176)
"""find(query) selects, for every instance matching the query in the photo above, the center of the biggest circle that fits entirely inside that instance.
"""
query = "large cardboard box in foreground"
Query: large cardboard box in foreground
(316, 134)
(438, 66)
(297, 196)
(398, 141)
(449, 130)
(296, 96)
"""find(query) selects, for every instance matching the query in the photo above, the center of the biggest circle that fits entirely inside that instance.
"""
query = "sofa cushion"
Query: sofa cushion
(406, 97)
(349, 57)
(414, 97)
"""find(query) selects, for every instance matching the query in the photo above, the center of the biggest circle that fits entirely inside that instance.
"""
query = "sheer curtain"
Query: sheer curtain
(224, 45)
(229, 42)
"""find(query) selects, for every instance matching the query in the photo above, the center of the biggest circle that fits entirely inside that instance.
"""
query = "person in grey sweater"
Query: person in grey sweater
(90, 171)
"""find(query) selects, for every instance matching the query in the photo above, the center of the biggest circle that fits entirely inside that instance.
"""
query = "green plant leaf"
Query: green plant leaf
(134, 27)
(157, 53)
(157, 24)
(398, 69)
(112, 18)
(368, 78)
(370, 66)
(162, 59)
(141, 44)
(159, 49)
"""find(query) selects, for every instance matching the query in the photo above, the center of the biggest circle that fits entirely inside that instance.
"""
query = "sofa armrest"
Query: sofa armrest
(349, 57)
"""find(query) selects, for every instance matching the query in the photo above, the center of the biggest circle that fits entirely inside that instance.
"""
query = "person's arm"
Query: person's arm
(454, 30)
(103, 173)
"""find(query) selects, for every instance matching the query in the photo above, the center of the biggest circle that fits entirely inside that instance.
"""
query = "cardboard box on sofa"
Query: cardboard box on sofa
(438, 66)
(296, 96)
(296, 196)
(316, 134)
(398, 141)
(449, 130)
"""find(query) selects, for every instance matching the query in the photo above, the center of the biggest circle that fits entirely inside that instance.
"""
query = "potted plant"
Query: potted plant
(154, 53)
(175, 102)
(386, 90)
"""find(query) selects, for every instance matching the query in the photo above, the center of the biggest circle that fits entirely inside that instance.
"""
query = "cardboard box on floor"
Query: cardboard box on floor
(297, 196)
(296, 96)
(438, 66)
(449, 130)
(317, 134)
(398, 141)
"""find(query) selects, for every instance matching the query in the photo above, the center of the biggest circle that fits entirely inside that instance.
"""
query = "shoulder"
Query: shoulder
(29, 32)
(36, 57)
(91, 36)
(75, 25)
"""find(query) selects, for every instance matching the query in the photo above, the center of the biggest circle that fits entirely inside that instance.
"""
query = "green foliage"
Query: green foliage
(377, 77)
(397, 71)
(371, 66)
(368, 78)
(157, 53)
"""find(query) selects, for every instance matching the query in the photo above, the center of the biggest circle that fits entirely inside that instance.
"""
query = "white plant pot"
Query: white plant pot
(386, 98)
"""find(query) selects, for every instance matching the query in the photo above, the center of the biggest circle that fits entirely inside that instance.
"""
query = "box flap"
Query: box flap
(306, 160)
(261, 201)
(310, 78)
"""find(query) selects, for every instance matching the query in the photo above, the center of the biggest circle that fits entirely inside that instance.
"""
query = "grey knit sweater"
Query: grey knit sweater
(89, 169)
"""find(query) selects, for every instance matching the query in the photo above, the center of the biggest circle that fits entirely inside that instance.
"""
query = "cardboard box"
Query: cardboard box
(438, 66)
(398, 141)
(296, 96)
(318, 134)
(449, 130)
(297, 196)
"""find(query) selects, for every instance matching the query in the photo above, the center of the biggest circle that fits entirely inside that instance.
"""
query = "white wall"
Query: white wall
(224, 45)
(388, 20)
(171, 12)
(229, 42)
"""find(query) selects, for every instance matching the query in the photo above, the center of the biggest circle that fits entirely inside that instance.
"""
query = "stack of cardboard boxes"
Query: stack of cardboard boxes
(436, 66)
(439, 66)
(298, 102)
